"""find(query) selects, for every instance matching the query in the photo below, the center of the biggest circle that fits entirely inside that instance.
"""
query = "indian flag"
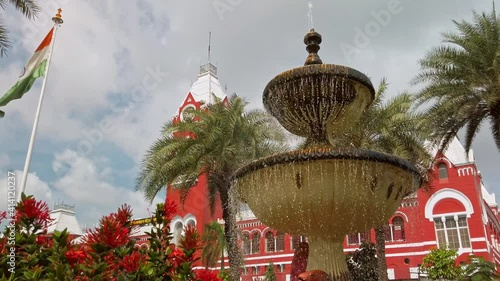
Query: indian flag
(35, 68)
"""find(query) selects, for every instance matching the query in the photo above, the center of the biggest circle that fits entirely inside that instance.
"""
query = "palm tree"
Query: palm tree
(224, 138)
(393, 127)
(480, 269)
(462, 79)
(215, 245)
(29, 8)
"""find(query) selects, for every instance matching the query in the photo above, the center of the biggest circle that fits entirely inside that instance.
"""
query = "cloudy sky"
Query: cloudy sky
(106, 50)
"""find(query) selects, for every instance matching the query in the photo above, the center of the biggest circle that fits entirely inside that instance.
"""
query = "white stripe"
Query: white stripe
(35, 61)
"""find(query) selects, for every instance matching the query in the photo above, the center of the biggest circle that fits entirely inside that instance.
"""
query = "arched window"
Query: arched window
(245, 244)
(280, 241)
(443, 171)
(388, 233)
(358, 238)
(255, 243)
(255, 270)
(177, 233)
(296, 240)
(398, 225)
(452, 231)
(270, 243)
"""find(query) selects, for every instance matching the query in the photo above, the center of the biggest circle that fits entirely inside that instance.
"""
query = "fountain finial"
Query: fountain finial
(312, 40)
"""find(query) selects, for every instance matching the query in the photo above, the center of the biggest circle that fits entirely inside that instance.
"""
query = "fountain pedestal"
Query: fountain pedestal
(328, 255)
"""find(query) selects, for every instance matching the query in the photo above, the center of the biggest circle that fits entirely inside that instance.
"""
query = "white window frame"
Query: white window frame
(369, 238)
(302, 238)
(455, 216)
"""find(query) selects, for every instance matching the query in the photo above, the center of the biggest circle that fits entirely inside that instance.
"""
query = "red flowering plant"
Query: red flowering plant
(19, 248)
(162, 260)
(109, 243)
(207, 275)
(104, 253)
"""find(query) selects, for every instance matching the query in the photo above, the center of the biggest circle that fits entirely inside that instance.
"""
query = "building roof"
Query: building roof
(64, 218)
(206, 82)
(489, 198)
(455, 153)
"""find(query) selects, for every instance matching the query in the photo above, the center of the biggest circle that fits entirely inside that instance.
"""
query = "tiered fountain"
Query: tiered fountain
(323, 192)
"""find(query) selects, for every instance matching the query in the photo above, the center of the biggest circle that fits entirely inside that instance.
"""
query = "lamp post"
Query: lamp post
(418, 272)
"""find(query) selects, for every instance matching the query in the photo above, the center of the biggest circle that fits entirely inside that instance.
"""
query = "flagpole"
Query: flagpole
(57, 22)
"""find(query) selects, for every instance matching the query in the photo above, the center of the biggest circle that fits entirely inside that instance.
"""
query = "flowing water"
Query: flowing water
(310, 15)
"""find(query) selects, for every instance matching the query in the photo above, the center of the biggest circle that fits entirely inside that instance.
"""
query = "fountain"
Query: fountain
(322, 191)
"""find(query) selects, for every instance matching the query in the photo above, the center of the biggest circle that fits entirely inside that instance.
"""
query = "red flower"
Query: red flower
(124, 214)
(169, 209)
(177, 257)
(132, 262)
(191, 239)
(114, 230)
(76, 256)
(44, 241)
(34, 212)
(207, 275)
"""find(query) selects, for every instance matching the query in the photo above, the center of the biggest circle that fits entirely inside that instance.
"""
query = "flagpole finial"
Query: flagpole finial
(57, 18)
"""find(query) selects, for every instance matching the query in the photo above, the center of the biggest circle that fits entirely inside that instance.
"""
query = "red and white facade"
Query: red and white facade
(458, 212)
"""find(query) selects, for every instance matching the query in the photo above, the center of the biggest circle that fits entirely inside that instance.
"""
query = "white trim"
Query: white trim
(189, 105)
(450, 165)
(256, 230)
(247, 265)
(411, 245)
(483, 209)
(266, 264)
(421, 253)
(402, 214)
(189, 217)
(466, 171)
(175, 221)
(444, 194)
(176, 218)
(265, 230)
(479, 250)
(269, 257)
(478, 239)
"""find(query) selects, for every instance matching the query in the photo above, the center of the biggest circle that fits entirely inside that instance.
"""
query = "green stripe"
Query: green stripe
(23, 86)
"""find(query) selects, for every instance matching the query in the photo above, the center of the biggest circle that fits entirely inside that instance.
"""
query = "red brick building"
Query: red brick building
(458, 212)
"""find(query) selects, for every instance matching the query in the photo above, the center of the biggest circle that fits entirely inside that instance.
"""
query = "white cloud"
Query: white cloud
(4, 161)
(34, 186)
(85, 183)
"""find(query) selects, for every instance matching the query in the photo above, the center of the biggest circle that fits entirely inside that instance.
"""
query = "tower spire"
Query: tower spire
(210, 69)
(209, 42)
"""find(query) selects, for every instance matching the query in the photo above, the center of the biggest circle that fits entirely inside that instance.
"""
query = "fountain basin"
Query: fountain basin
(326, 192)
(318, 100)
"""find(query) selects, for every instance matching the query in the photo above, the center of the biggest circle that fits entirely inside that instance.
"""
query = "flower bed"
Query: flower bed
(106, 252)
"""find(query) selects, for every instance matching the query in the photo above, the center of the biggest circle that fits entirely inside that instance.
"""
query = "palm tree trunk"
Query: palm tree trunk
(234, 254)
(380, 246)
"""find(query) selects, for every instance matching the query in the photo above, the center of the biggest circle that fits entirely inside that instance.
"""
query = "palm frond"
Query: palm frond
(223, 136)
(29, 8)
(460, 79)
(5, 43)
